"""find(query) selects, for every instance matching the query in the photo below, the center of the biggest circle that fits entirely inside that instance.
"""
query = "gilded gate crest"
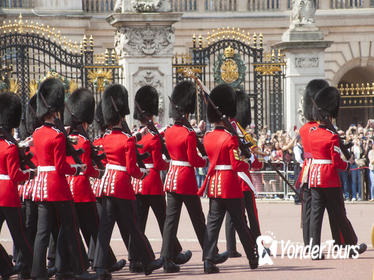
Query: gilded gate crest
(229, 68)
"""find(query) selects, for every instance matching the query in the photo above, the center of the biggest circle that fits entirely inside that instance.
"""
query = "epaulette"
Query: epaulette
(84, 137)
(128, 135)
(10, 143)
(188, 128)
(56, 129)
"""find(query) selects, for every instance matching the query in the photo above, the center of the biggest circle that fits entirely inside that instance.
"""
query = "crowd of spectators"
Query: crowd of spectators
(284, 149)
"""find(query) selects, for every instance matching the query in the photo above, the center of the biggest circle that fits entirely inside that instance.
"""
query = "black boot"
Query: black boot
(234, 254)
(156, 264)
(103, 274)
(136, 266)
(183, 258)
(170, 266)
(253, 260)
(85, 276)
(220, 258)
(51, 271)
(64, 276)
(210, 267)
(118, 266)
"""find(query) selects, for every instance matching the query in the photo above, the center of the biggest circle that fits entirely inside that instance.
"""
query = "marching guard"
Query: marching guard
(79, 114)
(149, 191)
(119, 197)
(312, 88)
(243, 117)
(51, 190)
(222, 183)
(180, 182)
(323, 176)
(98, 191)
(10, 176)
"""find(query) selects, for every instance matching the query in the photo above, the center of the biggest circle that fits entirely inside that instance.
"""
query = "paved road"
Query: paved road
(282, 220)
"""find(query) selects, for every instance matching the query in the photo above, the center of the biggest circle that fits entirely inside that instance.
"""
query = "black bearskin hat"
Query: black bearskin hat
(243, 109)
(327, 100)
(31, 122)
(118, 94)
(184, 96)
(99, 118)
(80, 107)
(53, 92)
(311, 90)
(10, 110)
(223, 96)
(147, 98)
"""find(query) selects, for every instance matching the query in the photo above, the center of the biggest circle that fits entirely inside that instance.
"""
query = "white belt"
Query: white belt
(180, 163)
(4, 177)
(46, 168)
(116, 167)
(321, 161)
(149, 165)
(223, 167)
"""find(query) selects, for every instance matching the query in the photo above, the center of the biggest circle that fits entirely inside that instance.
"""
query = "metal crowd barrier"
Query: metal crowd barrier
(269, 184)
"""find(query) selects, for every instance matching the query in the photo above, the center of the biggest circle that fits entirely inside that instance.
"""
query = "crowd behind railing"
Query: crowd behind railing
(284, 149)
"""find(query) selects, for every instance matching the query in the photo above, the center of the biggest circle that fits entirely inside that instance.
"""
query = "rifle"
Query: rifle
(126, 129)
(25, 160)
(151, 126)
(95, 157)
(186, 123)
(242, 146)
(70, 150)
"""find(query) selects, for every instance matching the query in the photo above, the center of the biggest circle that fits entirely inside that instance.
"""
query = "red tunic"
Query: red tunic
(246, 179)
(181, 144)
(80, 185)
(222, 179)
(97, 183)
(50, 146)
(10, 174)
(325, 149)
(25, 190)
(151, 184)
(255, 164)
(305, 140)
(121, 154)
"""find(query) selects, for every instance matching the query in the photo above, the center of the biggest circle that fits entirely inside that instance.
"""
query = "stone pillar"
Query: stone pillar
(304, 46)
(145, 45)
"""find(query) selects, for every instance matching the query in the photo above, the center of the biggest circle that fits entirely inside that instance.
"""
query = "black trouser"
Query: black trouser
(123, 212)
(173, 212)
(31, 220)
(70, 256)
(332, 200)
(30, 216)
(306, 204)
(158, 205)
(6, 264)
(249, 202)
(14, 219)
(306, 213)
(217, 210)
(88, 220)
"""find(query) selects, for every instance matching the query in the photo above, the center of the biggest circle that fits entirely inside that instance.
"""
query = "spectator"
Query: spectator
(355, 170)
(371, 170)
